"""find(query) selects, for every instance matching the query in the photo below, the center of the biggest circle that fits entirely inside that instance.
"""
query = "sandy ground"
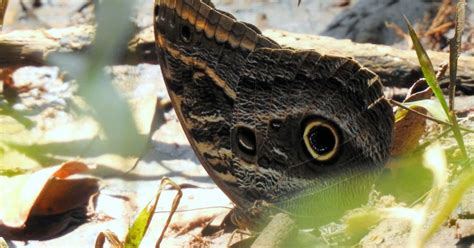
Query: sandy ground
(311, 16)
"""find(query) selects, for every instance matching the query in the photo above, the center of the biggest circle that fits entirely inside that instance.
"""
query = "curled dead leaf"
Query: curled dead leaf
(410, 127)
(45, 203)
(111, 237)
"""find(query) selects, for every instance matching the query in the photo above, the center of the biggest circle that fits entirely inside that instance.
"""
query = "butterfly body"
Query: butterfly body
(270, 123)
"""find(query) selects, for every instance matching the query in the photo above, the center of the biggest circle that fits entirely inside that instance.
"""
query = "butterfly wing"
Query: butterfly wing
(281, 92)
(201, 52)
(267, 123)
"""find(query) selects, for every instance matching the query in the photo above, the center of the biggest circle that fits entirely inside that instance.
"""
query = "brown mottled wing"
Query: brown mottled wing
(242, 101)
(202, 75)
(278, 90)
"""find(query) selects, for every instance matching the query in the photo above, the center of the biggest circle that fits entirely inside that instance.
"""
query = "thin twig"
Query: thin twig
(443, 67)
(455, 47)
(3, 10)
(400, 105)
(174, 206)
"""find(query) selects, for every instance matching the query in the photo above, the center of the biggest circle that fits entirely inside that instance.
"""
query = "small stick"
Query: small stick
(399, 104)
(277, 232)
(455, 47)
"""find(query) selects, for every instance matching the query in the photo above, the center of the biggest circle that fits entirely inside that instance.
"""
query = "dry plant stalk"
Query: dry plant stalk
(3, 10)
(431, 29)
(441, 23)
(400, 33)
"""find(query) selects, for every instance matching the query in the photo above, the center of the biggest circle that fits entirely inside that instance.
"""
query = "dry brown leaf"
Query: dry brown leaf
(411, 127)
(111, 237)
(62, 195)
(46, 192)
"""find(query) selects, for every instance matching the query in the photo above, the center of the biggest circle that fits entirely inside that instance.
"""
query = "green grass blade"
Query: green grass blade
(139, 228)
(427, 67)
(430, 76)
(137, 231)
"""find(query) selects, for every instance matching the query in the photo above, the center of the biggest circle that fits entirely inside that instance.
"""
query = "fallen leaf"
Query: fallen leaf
(44, 203)
(110, 237)
(409, 126)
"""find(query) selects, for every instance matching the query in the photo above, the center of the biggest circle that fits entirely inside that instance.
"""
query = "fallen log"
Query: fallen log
(35, 47)
(396, 68)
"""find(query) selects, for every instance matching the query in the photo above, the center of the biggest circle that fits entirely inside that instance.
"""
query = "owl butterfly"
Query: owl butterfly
(305, 132)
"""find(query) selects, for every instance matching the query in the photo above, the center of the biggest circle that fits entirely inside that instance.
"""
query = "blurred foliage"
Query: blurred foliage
(102, 121)
(109, 108)
(430, 76)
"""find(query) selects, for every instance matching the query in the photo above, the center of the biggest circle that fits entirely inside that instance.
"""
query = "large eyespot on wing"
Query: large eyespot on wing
(337, 89)
(322, 139)
(245, 143)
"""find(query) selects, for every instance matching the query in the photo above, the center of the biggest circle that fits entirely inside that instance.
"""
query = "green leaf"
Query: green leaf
(109, 108)
(20, 116)
(432, 106)
(140, 226)
(12, 172)
(427, 67)
(137, 232)
(430, 76)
